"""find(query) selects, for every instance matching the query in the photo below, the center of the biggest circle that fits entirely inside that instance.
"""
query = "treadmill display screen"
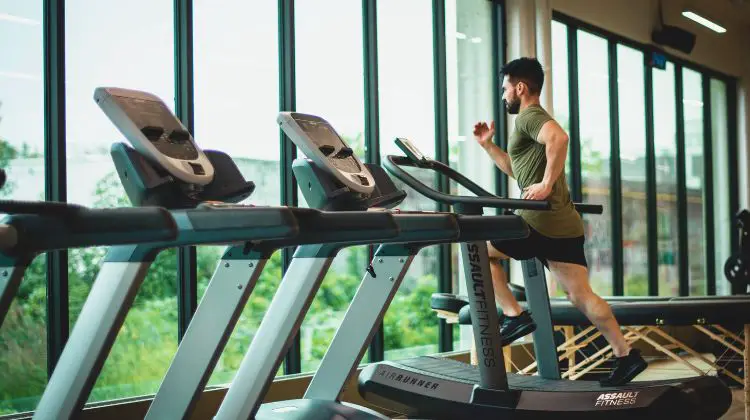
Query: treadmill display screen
(322, 135)
(153, 117)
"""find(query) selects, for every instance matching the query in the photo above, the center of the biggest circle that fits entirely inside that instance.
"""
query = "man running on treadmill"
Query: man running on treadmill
(536, 155)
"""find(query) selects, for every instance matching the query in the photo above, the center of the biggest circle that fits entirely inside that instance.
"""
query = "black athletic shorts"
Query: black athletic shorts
(567, 250)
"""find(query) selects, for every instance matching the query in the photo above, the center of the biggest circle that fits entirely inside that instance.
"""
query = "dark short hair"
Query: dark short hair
(527, 70)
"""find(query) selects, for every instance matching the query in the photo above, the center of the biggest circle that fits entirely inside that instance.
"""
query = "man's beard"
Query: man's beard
(513, 107)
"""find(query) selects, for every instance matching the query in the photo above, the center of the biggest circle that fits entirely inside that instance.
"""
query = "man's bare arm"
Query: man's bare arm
(500, 157)
(555, 140)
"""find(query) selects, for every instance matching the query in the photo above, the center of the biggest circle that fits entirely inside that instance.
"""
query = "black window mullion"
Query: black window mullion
(287, 102)
(708, 188)
(440, 89)
(498, 60)
(55, 176)
(618, 283)
(445, 284)
(187, 271)
(733, 161)
(370, 57)
(653, 244)
(499, 46)
(682, 222)
(575, 134)
(372, 127)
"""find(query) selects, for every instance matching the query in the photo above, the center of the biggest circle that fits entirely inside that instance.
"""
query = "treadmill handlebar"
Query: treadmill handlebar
(589, 208)
(79, 226)
(40, 208)
(483, 198)
(392, 163)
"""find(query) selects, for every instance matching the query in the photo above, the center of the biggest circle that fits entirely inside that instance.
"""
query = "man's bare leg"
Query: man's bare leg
(503, 296)
(575, 281)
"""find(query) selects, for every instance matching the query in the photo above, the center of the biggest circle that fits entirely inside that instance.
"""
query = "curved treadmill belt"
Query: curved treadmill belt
(434, 387)
(458, 371)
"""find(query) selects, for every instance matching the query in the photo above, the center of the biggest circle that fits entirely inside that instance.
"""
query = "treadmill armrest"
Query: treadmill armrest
(92, 227)
(341, 227)
(488, 228)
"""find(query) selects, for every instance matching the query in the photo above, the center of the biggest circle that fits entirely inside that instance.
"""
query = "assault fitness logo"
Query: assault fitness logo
(616, 398)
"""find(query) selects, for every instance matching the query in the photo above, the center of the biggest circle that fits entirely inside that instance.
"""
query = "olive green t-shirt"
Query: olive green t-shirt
(529, 161)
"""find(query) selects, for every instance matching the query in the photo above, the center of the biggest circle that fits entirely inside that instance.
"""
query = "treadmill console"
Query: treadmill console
(154, 131)
(322, 144)
(410, 150)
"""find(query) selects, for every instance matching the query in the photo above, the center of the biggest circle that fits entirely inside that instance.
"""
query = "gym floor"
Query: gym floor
(667, 369)
(737, 410)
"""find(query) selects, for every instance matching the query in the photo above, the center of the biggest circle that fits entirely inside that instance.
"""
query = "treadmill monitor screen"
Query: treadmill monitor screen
(158, 124)
(327, 141)
(410, 149)
(321, 133)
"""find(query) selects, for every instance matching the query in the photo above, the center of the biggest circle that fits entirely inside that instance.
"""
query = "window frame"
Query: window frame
(55, 141)
(573, 25)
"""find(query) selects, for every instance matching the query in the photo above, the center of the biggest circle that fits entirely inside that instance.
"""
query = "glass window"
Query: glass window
(561, 82)
(593, 96)
(329, 73)
(632, 115)
(560, 85)
(692, 100)
(665, 143)
(237, 83)
(724, 225)
(330, 84)
(101, 42)
(407, 109)
(23, 335)
(471, 84)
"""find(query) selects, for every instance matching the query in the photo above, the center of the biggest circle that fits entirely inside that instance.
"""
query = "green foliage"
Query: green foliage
(7, 153)
(593, 164)
(409, 321)
(636, 285)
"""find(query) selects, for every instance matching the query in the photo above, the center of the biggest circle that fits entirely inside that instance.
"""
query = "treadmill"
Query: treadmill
(434, 387)
(165, 167)
(325, 176)
(31, 228)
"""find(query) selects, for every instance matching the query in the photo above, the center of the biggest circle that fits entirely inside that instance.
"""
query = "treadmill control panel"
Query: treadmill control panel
(410, 150)
(153, 130)
(322, 144)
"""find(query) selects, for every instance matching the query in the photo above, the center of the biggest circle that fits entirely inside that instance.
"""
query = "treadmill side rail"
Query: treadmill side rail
(10, 280)
(537, 297)
(92, 338)
(206, 336)
(390, 382)
(362, 318)
(283, 318)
